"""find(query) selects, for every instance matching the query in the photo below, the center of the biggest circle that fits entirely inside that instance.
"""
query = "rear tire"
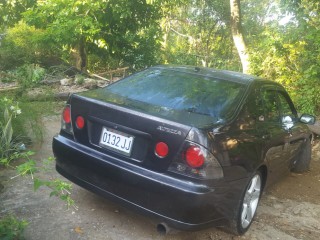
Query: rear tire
(302, 161)
(248, 205)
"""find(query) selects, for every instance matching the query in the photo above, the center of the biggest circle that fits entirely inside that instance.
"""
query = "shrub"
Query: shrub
(24, 44)
(29, 75)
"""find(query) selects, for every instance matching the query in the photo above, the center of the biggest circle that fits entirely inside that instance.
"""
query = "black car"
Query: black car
(193, 147)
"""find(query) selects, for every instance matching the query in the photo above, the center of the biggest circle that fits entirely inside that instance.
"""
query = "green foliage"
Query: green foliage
(11, 150)
(18, 154)
(27, 124)
(30, 121)
(59, 189)
(290, 54)
(79, 79)
(126, 31)
(107, 34)
(28, 167)
(10, 11)
(30, 75)
(7, 77)
(197, 32)
(8, 144)
(11, 228)
(24, 44)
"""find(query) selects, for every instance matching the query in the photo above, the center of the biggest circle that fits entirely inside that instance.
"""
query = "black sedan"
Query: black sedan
(193, 147)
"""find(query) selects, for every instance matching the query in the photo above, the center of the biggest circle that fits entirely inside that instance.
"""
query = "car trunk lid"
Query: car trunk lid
(128, 126)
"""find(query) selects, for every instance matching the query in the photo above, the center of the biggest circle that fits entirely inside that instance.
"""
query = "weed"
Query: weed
(11, 228)
(79, 79)
(8, 145)
(30, 122)
(59, 189)
(11, 150)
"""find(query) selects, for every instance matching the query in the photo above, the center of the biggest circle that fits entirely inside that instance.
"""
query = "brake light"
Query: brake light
(80, 122)
(161, 149)
(66, 115)
(66, 120)
(194, 157)
(196, 161)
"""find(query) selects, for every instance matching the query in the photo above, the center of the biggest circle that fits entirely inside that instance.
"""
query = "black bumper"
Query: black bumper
(181, 204)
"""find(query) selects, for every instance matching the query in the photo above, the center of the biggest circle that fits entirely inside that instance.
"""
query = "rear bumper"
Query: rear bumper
(180, 203)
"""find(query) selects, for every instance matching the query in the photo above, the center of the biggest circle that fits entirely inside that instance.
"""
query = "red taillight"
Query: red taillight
(194, 157)
(161, 149)
(67, 115)
(80, 122)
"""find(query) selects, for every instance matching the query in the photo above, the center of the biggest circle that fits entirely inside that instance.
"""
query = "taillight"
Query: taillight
(161, 149)
(66, 114)
(196, 161)
(194, 157)
(80, 122)
(66, 120)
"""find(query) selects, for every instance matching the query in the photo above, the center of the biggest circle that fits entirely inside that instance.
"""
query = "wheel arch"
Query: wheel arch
(264, 172)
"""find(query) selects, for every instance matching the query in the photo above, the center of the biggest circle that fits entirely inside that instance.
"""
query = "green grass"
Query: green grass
(32, 116)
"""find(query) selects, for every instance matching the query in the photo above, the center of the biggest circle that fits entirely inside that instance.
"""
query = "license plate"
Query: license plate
(116, 140)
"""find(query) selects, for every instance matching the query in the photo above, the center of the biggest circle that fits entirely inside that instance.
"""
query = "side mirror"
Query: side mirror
(287, 122)
(307, 119)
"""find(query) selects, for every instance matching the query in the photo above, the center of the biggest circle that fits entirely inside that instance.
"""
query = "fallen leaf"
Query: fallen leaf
(78, 230)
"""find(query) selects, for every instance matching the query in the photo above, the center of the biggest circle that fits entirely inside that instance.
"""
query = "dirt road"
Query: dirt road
(289, 210)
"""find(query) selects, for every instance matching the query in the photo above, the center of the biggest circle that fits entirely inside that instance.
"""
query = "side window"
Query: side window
(286, 108)
(270, 106)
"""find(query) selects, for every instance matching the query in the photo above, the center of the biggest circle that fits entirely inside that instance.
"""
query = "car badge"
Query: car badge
(169, 130)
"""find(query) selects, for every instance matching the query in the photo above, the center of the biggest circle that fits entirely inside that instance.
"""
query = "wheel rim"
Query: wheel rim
(250, 201)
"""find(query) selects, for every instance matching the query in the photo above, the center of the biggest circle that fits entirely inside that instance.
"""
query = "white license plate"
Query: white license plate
(116, 140)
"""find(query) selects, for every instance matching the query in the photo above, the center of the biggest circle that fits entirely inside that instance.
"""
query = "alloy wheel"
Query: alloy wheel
(250, 201)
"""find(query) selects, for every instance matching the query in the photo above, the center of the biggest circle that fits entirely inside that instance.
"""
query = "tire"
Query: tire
(302, 160)
(248, 206)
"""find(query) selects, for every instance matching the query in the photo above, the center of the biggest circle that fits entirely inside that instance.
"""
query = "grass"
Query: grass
(32, 116)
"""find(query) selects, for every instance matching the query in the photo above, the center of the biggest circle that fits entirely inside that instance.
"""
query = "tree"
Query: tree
(288, 51)
(237, 35)
(10, 11)
(123, 29)
(197, 32)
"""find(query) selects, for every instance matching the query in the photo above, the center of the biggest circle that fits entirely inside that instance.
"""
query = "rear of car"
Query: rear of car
(147, 141)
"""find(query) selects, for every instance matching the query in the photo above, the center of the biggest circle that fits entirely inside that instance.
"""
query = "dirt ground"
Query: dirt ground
(288, 210)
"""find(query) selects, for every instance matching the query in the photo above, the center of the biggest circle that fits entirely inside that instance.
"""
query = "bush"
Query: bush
(30, 75)
(23, 44)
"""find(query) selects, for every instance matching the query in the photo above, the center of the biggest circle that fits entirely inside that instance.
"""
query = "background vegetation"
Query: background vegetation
(44, 38)
(282, 38)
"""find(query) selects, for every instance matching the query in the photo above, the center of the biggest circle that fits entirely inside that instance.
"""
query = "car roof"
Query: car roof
(215, 73)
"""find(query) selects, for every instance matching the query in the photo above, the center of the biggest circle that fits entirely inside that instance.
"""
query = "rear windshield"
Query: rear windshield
(181, 91)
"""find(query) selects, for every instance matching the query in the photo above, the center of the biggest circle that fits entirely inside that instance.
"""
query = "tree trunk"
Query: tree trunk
(79, 55)
(238, 35)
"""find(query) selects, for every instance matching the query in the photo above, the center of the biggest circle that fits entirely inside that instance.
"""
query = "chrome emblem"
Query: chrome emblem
(169, 130)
